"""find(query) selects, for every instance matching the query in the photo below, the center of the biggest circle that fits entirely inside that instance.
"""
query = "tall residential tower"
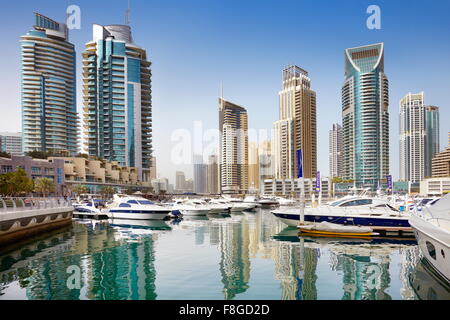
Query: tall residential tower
(335, 152)
(365, 116)
(49, 112)
(118, 98)
(233, 126)
(296, 128)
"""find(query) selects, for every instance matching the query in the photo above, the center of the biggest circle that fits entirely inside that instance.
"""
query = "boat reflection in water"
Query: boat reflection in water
(242, 256)
(427, 284)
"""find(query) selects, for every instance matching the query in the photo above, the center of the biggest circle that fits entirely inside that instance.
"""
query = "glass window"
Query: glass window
(124, 205)
(132, 202)
(145, 202)
(431, 250)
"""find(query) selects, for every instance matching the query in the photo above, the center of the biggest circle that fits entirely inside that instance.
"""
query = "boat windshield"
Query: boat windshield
(337, 203)
(145, 202)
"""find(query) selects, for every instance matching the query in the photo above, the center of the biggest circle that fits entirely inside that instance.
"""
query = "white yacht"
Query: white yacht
(286, 202)
(192, 208)
(135, 208)
(432, 229)
(221, 203)
(253, 200)
(352, 211)
(88, 210)
(267, 202)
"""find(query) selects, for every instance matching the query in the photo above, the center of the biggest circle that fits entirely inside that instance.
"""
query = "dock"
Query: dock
(21, 218)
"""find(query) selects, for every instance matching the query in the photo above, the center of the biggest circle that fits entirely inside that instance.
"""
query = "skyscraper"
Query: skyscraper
(365, 116)
(253, 167)
(441, 163)
(118, 98)
(233, 126)
(335, 152)
(265, 162)
(213, 175)
(419, 137)
(49, 112)
(200, 174)
(296, 128)
(432, 145)
(180, 182)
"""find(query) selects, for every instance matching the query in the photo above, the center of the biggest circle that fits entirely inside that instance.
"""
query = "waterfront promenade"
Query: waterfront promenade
(21, 218)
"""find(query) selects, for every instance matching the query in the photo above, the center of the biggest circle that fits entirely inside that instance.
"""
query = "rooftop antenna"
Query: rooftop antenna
(128, 13)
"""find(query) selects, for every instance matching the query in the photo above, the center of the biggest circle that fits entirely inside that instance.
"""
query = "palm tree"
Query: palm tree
(107, 191)
(44, 186)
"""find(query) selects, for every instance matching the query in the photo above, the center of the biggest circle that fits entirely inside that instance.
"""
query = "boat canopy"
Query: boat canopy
(441, 209)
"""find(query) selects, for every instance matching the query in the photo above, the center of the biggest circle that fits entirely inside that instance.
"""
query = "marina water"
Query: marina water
(240, 256)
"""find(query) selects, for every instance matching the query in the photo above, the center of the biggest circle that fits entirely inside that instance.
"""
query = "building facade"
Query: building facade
(292, 187)
(365, 116)
(95, 174)
(335, 151)
(118, 99)
(11, 142)
(441, 163)
(52, 169)
(432, 144)
(233, 126)
(296, 129)
(213, 175)
(265, 162)
(419, 137)
(49, 112)
(253, 168)
(200, 175)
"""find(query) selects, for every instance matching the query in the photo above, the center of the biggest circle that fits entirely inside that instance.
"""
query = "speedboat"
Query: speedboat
(192, 208)
(253, 200)
(268, 202)
(286, 202)
(136, 208)
(88, 211)
(432, 230)
(350, 211)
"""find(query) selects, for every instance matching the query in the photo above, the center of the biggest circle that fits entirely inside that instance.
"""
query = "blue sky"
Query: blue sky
(196, 45)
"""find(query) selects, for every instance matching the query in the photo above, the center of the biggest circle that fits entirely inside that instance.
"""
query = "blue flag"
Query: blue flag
(318, 182)
(299, 164)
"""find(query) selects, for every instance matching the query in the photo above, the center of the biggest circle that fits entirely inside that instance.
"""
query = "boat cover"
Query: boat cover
(441, 209)
(337, 228)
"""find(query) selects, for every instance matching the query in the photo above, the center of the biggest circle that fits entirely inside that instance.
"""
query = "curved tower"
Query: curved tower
(365, 116)
(49, 112)
(118, 99)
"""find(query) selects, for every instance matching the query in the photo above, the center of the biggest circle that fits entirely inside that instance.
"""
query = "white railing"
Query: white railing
(28, 204)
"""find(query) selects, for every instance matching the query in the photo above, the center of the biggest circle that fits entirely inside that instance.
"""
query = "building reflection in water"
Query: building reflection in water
(112, 267)
(118, 262)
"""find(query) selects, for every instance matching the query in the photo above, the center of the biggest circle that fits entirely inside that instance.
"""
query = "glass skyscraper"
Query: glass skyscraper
(49, 113)
(365, 116)
(117, 99)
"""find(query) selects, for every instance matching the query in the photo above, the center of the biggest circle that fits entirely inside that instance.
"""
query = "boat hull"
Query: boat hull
(194, 212)
(294, 219)
(138, 215)
(434, 245)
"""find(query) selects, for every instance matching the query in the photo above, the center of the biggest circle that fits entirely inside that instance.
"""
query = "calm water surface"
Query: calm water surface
(240, 256)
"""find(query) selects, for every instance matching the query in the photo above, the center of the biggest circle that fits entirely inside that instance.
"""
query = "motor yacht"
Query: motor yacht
(192, 208)
(135, 208)
(253, 200)
(432, 230)
(350, 211)
(88, 210)
(285, 202)
(221, 203)
(268, 202)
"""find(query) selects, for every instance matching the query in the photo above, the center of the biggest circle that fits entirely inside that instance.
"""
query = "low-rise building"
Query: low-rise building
(441, 163)
(289, 187)
(435, 186)
(36, 168)
(95, 173)
(11, 142)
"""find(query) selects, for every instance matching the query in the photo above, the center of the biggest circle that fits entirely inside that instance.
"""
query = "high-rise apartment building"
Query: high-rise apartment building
(200, 175)
(49, 112)
(213, 175)
(296, 128)
(118, 98)
(335, 151)
(365, 117)
(265, 162)
(432, 144)
(253, 167)
(180, 182)
(11, 142)
(233, 126)
(419, 137)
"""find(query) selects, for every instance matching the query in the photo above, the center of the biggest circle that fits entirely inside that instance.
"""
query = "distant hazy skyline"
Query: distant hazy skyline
(197, 45)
